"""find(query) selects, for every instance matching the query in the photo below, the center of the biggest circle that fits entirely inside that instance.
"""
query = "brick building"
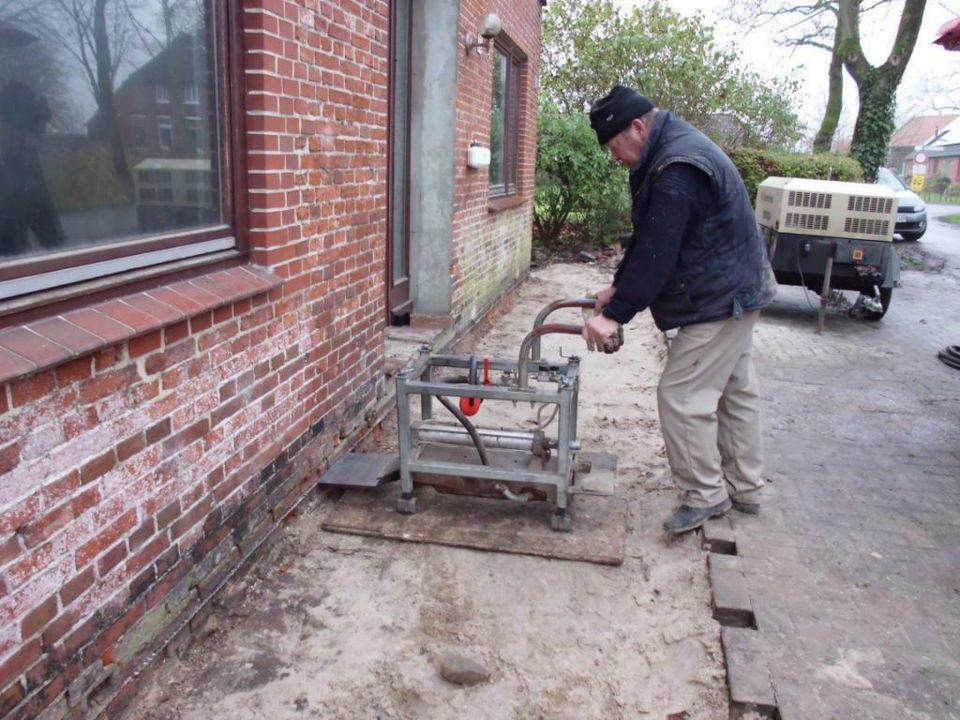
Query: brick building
(168, 393)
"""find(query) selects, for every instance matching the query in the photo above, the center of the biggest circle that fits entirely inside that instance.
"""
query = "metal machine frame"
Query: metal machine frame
(556, 478)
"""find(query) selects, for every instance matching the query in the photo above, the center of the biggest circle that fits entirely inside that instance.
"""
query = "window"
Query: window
(138, 130)
(190, 95)
(164, 132)
(504, 122)
(93, 184)
(195, 134)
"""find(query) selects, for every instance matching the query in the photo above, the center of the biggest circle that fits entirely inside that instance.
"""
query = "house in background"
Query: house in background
(169, 392)
(916, 134)
(944, 154)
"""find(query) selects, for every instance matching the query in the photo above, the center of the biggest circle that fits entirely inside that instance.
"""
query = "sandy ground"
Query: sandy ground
(337, 626)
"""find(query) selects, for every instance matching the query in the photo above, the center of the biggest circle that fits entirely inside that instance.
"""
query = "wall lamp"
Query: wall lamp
(489, 29)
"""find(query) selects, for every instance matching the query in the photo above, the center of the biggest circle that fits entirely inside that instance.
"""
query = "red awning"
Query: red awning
(12, 36)
(949, 34)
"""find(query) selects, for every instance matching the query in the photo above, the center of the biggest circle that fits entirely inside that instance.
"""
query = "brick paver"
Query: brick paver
(853, 569)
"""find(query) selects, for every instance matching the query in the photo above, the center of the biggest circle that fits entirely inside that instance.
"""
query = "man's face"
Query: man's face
(626, 147)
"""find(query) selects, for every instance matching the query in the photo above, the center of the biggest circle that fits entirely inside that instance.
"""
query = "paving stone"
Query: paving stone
(717, 536)
(748, 673)
(731, 601)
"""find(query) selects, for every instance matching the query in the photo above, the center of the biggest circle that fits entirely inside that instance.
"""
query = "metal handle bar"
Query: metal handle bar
(551, 308)
(533, 336)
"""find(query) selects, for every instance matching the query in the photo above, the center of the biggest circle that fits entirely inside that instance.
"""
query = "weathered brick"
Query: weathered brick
(37, 619)
(75, 587)
(19, 662)
(168, 514)
(110, 559)
(58, 628)
(141, 534)
(126, 449)
(159, 430)
(191, 517)
(106, 538)
(57, 490)
(38, 531)
(185, 437)
(170, 357)
(9, 457)
(99, 466)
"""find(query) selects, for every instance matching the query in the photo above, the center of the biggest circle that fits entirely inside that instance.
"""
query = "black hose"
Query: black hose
(468, 426)
(950, 356)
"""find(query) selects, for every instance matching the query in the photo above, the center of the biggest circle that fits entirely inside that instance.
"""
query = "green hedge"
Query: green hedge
(755, 166)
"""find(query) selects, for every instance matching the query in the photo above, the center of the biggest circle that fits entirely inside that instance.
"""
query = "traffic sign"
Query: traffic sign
(916, 183)
(920, 157)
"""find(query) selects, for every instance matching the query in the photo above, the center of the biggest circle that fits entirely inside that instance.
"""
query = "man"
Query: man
(697, 261)
(25, 202)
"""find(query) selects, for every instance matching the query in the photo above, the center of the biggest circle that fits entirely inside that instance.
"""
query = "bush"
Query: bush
(939, 185)
(755, 166)
(576, 181)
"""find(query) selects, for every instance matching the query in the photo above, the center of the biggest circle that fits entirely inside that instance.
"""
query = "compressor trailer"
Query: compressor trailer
(826, 235)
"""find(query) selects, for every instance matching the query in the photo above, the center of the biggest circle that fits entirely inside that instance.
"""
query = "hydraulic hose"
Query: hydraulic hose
(468, 426)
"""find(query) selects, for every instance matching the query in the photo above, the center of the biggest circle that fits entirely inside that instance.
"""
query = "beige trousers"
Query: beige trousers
(710, 412)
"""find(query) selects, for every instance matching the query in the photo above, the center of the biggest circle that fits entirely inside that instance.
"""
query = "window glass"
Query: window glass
(497, 117)
(504, 115)
(93, 154)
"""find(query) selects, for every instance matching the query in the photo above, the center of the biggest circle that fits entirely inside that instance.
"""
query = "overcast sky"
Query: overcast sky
(929, 66)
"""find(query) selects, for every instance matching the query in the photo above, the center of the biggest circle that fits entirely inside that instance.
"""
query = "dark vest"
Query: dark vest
(723, 270)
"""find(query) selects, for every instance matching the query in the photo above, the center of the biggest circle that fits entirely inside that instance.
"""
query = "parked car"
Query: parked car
(911, 212)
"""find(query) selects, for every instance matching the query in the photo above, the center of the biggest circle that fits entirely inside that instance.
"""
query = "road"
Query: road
(852, 570)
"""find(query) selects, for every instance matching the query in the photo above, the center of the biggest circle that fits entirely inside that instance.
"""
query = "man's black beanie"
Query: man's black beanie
(617, 109)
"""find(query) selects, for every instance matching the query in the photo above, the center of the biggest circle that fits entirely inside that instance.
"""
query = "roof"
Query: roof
(921, 129)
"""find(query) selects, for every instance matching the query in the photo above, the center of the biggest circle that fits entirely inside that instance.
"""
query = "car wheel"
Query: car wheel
(886, 295)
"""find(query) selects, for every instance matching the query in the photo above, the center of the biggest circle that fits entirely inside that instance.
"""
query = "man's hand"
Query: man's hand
(603, 298)
(598, 329)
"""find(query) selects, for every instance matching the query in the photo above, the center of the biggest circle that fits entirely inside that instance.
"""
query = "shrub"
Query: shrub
(757, 165)
(939, 185)
(576, 181)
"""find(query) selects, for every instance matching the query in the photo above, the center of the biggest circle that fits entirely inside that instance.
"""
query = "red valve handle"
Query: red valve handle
(471, 406)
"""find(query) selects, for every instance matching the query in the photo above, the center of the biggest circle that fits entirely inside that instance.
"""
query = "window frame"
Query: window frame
(515, 60)
(48, 277)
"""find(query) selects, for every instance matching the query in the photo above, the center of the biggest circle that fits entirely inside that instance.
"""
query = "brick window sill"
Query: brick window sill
(506, 202)
(37, 345)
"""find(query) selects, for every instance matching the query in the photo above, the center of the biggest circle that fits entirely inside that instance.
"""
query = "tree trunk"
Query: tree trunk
(877, 86)
(106, 101)
(875, 125)
(831, 116)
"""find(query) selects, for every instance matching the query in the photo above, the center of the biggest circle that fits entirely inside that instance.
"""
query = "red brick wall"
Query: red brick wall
(133, 478)
(491, 245)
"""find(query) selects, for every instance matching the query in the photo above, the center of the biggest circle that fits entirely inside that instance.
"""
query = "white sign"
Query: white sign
(920, 157)
(919, 169)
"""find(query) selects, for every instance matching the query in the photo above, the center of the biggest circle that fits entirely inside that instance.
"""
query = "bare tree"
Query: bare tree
(876, 85)
(158, 29)
(96, 35)
(805, 24)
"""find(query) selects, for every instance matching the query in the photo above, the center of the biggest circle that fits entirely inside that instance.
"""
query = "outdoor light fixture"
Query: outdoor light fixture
(489, 29)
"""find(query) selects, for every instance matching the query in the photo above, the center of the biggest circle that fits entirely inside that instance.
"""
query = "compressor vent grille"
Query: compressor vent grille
(861, 203)
(866, 226)
(796, 198)
(806, 221)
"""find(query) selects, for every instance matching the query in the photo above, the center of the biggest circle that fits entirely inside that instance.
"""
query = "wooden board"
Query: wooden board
(598, 535)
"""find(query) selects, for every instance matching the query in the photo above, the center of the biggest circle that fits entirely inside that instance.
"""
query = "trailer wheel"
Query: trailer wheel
(885, 297)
